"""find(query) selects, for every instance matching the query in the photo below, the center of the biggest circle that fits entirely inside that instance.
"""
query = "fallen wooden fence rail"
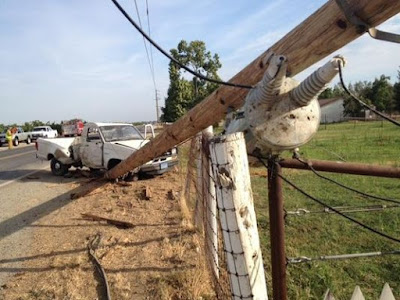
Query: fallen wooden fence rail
(322, 33)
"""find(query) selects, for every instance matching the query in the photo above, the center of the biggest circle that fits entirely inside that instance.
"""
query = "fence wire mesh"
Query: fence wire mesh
(214, 210)
(200, 202)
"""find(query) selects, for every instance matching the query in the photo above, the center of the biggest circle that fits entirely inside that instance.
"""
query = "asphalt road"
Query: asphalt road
(28, 191)
(18, 162)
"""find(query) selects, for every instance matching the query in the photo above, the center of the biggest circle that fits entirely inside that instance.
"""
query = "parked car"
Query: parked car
(101, 146)
(18, 135)
(72, 127)
(43, 132)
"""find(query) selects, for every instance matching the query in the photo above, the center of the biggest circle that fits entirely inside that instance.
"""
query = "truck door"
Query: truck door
(92, 149)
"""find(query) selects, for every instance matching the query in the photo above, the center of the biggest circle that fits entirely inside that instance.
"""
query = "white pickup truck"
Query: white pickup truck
(101, 146)
(18, 136)
(43, 132)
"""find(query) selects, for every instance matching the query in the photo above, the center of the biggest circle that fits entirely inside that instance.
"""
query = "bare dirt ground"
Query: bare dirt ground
(158, 258)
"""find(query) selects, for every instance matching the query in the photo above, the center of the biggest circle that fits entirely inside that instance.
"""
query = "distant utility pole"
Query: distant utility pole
(157, 107)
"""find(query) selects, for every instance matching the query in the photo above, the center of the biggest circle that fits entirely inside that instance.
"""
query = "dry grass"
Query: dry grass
(192, 283)
(160, 258)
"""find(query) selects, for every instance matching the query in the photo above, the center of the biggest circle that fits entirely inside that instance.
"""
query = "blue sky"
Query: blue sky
(65, 59)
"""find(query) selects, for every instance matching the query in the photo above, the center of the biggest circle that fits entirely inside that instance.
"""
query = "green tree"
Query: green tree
(396, 91)
(27, 126)
(336, 91)
(328, 93)
(381, 94)
(37, 123)
(361, 89)
(186, 91)
(56, 126)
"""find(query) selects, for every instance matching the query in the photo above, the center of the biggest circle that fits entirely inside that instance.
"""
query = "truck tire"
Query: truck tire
(28, 140)
(58, 168)
(131, 177)
(16, 142)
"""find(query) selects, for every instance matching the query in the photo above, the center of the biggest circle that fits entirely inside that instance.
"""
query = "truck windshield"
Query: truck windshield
(120, 133)
(39, 129)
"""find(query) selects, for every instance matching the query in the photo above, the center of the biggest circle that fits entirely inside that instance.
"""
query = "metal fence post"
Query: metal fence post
(277, 230)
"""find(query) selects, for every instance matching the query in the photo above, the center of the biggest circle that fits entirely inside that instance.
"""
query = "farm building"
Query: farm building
(332, 110)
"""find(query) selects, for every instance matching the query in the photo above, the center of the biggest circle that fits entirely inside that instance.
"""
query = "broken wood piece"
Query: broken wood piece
(118, 223)
(147, 193)
(124, 183)
(171, 195)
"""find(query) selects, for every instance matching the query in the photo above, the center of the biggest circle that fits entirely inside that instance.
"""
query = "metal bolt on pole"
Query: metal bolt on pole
(277, 230)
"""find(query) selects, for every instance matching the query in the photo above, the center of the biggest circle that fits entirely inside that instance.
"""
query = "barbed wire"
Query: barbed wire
(347, 209)
(351, 219)
(304, 259)
(306, 163)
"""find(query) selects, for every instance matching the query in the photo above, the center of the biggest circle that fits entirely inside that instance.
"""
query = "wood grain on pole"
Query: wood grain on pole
(321, 34)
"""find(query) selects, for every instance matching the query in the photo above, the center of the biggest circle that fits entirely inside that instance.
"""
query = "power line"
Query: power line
(382, 234)
(145, 47)
(138, 28)
(343, 185)
(148, 27)
(382, 115)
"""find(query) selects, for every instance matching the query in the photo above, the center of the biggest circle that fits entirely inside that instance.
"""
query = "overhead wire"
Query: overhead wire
(148, 28)
(151, 65)
(159, 48)
(382, 115)
(367, 227)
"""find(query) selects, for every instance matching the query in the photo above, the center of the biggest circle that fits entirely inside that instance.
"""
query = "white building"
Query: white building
(332, 110)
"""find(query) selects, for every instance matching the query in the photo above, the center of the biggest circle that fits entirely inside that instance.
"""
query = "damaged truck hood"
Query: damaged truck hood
(134, 144)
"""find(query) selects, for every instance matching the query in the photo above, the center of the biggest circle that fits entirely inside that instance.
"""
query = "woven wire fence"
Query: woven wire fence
(201, 208)
(217, 219)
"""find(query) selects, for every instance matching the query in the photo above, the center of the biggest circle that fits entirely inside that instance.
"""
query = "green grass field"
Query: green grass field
(329, 234)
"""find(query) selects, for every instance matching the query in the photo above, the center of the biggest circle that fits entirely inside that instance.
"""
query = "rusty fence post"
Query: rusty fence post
(277, 230)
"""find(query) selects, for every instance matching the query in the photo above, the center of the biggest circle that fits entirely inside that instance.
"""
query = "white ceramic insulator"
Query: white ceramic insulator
(317, 82)
(268, 89)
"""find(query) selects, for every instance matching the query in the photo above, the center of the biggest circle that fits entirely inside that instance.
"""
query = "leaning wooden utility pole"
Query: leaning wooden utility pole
(322, 33)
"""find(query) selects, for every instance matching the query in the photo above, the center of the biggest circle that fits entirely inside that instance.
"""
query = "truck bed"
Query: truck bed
(58, 148)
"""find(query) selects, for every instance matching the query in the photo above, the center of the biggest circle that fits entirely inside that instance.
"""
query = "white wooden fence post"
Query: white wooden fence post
(210, 204)
(237, 216)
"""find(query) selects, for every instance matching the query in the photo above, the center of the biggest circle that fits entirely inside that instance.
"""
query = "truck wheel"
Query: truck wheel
(132, 177)
(16, 142)
(57, 167)
(28, 140)
(112, 163)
